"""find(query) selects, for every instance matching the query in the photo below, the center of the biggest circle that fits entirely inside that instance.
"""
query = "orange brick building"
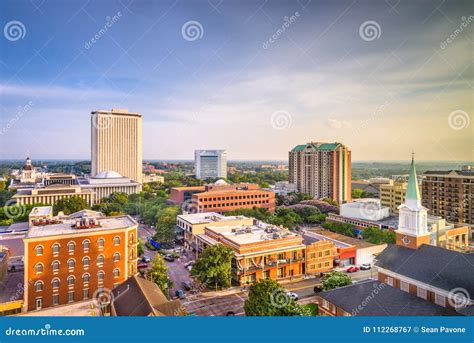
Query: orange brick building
(223, 197)
(264, 251)
(72, 258)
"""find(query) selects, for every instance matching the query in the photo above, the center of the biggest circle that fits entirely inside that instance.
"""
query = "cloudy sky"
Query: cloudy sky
(253, 77)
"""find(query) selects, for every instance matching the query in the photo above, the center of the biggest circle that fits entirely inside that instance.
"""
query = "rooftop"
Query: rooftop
(317, 146)
(340, 241)
(207, 217)
(380, 299)
(41, 211)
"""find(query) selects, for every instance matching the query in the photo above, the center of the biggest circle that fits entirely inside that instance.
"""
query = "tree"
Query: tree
(286, 217)
(158, 273)
(335, 279)
(268, 298)
(213, 267)
(359, 193)
(140, 250)
(70, 205)
(165, 225)
(375, 235)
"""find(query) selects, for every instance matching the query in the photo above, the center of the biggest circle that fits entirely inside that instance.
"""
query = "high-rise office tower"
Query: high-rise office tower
(322, 170)
(116, 143)
(210, 164)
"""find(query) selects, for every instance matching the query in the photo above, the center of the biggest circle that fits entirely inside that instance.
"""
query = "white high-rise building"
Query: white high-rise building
(116, 143)
(210, 164)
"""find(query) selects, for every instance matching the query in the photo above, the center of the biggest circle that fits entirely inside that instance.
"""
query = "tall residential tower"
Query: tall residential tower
(117, 143)
(322, 170)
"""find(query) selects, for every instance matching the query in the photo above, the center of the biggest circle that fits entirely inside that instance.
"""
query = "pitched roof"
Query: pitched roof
(317, 146)
(139, 297)
(373, 298)
(435, 266)
(412, 189)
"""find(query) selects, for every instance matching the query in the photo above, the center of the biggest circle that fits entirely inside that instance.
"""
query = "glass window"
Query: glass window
(39, 250)
(86, 260)
(86, 244)
(101, 275)
(55, 299)
(101, 242)
(70, 297)
(56, 248)
(71, 281)
(39, 286)
(55, 283)
(116, 272)
(39, 268)
(116, 257)
(86, 278)
(100, 259)
(116, 240)
(85, 294)
(55, 266)
(71, 263)
(71, 247)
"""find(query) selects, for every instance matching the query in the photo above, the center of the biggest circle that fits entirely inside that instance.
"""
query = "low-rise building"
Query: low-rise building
(147, 178)
(367, 209)
(73, 258)
(392, 194)
(284, 188)
(108, 182)
(49, 195)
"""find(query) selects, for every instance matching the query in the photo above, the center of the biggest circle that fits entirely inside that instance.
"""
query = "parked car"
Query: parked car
(187, 285)
(146, 259)
(169, 258)
(187, 264)
(365, 266)
(180, 293)
(292, 295)
(352, 269)
(142, 265)
(317, 289)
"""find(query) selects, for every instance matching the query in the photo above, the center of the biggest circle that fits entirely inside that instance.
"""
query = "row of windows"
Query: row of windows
(320, 254)
(319, 265)
(39, 267)
(235, 204)
(71, 246)
(250, 196)
(71, 280)
(70, 298)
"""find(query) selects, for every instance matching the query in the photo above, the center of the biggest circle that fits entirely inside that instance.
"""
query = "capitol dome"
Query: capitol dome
(108, 174)
(220, 183)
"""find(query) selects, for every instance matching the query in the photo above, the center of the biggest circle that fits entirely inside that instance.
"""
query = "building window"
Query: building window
(101, 242)
(132, 237)
(71, 280)
(116, 257)
(440, 300)
(86, 244)
(85, 294)
(421, 292)
(389, 281)
(101, 276)
(70, 297)
(55, 283)
(39, 268)
(86, 277)
(116, 272)
(55, 248)
(39, 286)
(55, 299)
(71, 246)
(100, 259)
(71, 263)
(39, 250)
(404, 286)
(325, 304)
(86, 260)
(55, 266)
(116, 240)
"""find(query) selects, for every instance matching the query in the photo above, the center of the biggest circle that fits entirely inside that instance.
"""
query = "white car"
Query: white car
(292, 295)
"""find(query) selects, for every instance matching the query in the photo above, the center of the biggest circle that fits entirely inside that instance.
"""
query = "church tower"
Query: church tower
(413, 226)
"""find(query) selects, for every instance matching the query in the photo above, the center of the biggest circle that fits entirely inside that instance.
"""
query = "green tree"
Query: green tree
(359, 193)
(140, 250)
(158, 273)
(286, 217)
(377, 236)
(70, 205)
(213, 267)
(268, 298)
(165, 225)
(3, 185)
(335, 279)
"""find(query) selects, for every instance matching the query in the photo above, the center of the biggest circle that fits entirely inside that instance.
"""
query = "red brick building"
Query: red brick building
(73, 258)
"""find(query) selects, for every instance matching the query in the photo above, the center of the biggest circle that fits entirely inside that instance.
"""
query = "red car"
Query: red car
(142, 265)
(352, 269)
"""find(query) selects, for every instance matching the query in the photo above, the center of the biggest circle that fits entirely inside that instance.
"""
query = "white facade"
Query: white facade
(365, 209)
(210, 164)
(108, 182)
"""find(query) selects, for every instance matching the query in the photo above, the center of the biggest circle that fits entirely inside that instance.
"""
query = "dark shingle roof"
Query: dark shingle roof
(448, 172)
(373, 298)
(435, 266)
(139, 297)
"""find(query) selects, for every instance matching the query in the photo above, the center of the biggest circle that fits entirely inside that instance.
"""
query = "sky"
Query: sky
(254, 77)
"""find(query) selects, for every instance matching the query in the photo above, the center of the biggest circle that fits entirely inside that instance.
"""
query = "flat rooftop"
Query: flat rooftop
(67, 226)
(208, 217)
(41, 211)
(247, 234)
(341, 239)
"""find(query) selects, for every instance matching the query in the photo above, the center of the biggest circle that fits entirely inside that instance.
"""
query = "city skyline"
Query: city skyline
(241, 73)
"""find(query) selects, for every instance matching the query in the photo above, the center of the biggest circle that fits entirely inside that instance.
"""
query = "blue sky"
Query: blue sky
(320, 78)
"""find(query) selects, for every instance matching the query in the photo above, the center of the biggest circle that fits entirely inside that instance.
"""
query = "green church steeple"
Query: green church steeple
(413, 193)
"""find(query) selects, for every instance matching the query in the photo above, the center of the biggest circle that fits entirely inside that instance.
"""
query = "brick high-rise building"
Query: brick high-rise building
(322, 170)
(450, 194)
(73, 258)
(116, 143)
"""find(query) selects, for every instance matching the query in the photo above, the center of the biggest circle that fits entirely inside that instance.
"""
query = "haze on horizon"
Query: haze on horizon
(319, 80)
